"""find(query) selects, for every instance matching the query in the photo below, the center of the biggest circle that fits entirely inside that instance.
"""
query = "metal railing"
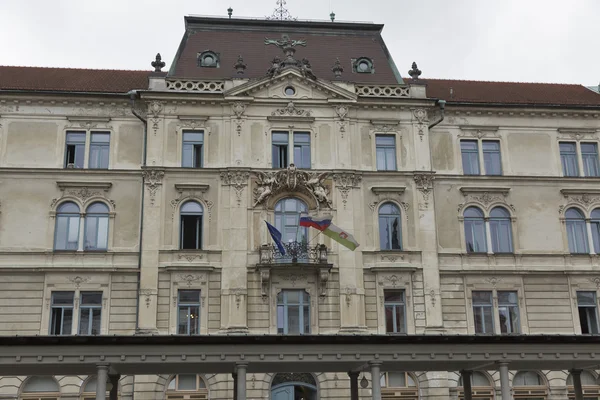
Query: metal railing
(295, 252)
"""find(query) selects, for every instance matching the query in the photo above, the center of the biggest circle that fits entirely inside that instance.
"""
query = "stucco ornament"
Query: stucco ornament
(345, 182)
(238, 180)
(153, 180)
(291, 179)
(424, 183)
(291, 111)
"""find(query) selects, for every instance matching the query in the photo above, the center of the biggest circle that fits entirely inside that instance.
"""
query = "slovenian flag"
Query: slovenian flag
(342, 237)
(276, 235)
(319, 223)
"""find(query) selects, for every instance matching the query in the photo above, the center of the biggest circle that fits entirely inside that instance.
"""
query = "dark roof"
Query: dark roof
(300, 339)
(459, 91)
(72, 79)
(325, 42)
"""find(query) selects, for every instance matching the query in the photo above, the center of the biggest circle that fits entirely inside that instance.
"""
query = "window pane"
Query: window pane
(385, 148)
(491, 157)
(568, 156)
(189, 296)
(194, 320)
(182, 318)
(280, 319)
(577, 236)
(67, 322)
(396, 379)
(91, 298)
(482, 297)
(280, 137)
(500, 230)
(470, 157)
(193, 137)
(400, 319)
(187, 159)
(385, 140)
(102, 236)
(62, 298)
(507, 297)
(393, 296)
(191, 229)
(293, 320)
(186, 382)
(475, 235)
(84, 321)
(586, 298)
(595, 225)
(389, 318)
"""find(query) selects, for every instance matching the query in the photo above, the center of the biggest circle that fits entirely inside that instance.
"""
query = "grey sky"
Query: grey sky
(501, 40)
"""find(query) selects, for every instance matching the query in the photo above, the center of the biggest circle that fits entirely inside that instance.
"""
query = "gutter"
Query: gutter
(133, 95)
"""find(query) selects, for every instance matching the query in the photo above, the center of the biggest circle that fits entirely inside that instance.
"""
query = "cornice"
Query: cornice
(568, 192)
(521, 111)
(484, 189)
(62, 185)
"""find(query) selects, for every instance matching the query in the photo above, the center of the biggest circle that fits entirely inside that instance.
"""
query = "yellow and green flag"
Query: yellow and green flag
(342, 237)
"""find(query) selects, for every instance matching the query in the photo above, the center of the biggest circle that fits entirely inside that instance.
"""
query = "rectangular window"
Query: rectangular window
(568, 158)
(587, 306)
(61, 313)
(482, 312)
(193, 144)
(470, 156)
(90, 313)
(280, 149)
(589, 155)
(99, 150)
(293, 312)
(508, 308)
(395, 311)
(191, 231)
(491, 157)
(302, 149)
(385, 147)
(75, 151)
(188, 312)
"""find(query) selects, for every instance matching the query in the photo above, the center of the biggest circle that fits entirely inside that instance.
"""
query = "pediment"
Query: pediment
(306, 88)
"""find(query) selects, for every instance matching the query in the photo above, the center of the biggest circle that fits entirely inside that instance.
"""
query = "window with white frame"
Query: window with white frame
(66, 231)
(574, 154)
(587, 308)
(475, 152)
(99, 149)
(529, 385)
(385, 152)
(293, 312)
(390, 227)
(281, 155)
(477, 225)
(480, 387)
(595, 225)
(394, 303)
(191, 215)
(188, 312)
(90, 313)
(577, 234)
(287, 220)
(61, 313)
(506, 315)
(475, 232)
(398, 385)
(96, 227)
(589, 384)
(187, 387)
(40, 388)
(193, 149)
(501, 230)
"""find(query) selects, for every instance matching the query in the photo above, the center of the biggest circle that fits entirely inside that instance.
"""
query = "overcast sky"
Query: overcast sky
(500, 40)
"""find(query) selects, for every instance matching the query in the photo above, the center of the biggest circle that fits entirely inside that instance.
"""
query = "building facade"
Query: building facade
(133, 203)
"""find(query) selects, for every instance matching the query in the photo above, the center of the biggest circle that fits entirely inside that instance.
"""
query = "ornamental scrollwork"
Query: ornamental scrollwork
(291, 111)
(155, 108)
(344, 182)
(424, 183)
(238, 180)
(485, 200)
(421, 118)
(194, 192)
(153, 181)
(342, 112)
(290, 179)
(587, 201)
(238, 109)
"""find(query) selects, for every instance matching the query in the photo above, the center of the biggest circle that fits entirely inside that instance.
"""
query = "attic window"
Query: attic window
(363, 65)
(208, 59)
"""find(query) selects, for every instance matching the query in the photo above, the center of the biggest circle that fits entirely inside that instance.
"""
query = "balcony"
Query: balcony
(295, 253)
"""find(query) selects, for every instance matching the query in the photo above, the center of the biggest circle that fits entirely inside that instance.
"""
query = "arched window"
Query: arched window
(475, 235)
(291, 386)
(293, 312)
(398, 385)
(40, 387)
(187, 386)
(589, 384)
(390, 228)
(595, 222)
(66, 232)
(191, 226)
(576, 231)
(96, 227)
(529, 385)
(480, 387)
(500, 230)
(287, 220)
(89, 390)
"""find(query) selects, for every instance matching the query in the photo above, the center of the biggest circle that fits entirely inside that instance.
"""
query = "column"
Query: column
(353, 385)
(376, 380)
(241, 381)
(504, 383)
(576, 375)
(466, 379)
(114, 390)
(101, 378)
(234, 376)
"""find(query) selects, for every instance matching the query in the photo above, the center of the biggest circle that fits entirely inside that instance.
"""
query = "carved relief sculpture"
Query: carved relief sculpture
(238, 180)
(153, 180)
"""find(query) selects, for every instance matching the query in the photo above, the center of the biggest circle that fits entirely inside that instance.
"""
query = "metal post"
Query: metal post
(353, 385)
(114, 390)
(375, 380)
(234, 376)
(241, 381)
(101, 377)
(504, 384)
(466, 381)
(576, 375)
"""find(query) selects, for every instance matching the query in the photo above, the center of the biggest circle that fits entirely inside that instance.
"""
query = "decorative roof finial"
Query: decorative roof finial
(337, 68)
(414, 72)
(240, 66)
(332, 16)
(281, 13)
(158, 63)
(229, 12)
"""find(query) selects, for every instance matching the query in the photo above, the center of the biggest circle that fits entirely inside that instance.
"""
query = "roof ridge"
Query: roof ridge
(484, 81)
(78, 69)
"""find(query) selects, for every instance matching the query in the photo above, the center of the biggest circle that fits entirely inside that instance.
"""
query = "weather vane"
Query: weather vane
(281, 13)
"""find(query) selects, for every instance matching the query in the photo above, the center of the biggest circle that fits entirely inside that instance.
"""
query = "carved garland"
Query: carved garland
(236, 179)
(291, 111)
(153, 181)
(155, 108)
(421, 118)
(238, 109)
(585, 200)
(83, 193)
(344, 182)
(485, 199)
(342, 112)
(424, 183)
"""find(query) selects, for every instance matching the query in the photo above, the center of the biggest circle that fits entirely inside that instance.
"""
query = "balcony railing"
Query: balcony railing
(295, 252)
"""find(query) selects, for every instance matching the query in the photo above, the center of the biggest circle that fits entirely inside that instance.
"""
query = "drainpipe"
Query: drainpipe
(442, 105)
(133, 96)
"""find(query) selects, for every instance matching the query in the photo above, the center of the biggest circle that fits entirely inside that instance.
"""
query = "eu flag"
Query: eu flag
(276, 235)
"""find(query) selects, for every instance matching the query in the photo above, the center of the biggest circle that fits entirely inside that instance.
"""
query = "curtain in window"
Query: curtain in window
(96, 227)
(475, 235)
(66, 235)
(576, 231)
(500, 230)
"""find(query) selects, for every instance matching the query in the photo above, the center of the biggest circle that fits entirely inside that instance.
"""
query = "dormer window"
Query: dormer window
(208, 59)
(363, 65)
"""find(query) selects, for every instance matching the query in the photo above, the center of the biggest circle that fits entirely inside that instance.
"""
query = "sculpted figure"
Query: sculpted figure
(266, 181)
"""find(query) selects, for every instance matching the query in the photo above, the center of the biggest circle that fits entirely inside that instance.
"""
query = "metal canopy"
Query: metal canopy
(134, 355)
